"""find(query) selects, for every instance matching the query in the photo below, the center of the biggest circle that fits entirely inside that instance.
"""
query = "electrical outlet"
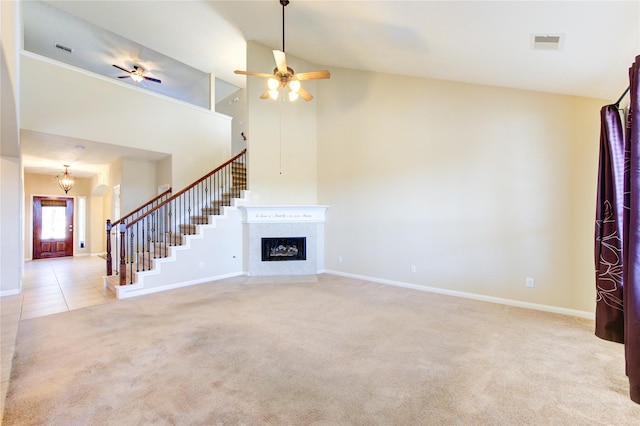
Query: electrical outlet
(413, 268)
(530, 282)
(201, 265)
(339, 259)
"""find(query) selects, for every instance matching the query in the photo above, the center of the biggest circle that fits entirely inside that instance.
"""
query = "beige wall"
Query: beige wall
(163, 171)
(11, 219)
(45, 185)
(11, 214)
(139, 183)
(66, 101)
(96, 232)
(282, 142)
(235, 106)
(477, 187)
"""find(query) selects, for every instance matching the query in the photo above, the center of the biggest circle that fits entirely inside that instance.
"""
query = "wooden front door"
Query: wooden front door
(52, 227)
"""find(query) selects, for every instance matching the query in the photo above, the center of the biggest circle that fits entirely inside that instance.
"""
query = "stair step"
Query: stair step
(209, 211)
(162, 249)
(187, 229)
(174, 239)
(112, 280)
(199, 220)
(145, 257)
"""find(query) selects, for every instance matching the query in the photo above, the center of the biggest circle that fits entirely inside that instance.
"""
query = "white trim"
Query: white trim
(480, 297)
(133, 290)
(9, 292)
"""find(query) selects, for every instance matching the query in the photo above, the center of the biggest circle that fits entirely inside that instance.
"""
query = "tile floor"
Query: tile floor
(49, 286)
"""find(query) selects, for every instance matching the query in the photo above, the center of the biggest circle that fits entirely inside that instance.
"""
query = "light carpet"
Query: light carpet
(337, 351)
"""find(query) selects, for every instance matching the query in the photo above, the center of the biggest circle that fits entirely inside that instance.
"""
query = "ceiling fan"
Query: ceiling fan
(284, 76)
(136, 74)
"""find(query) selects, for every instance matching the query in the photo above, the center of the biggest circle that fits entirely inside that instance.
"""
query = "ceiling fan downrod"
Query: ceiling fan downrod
(283, 3)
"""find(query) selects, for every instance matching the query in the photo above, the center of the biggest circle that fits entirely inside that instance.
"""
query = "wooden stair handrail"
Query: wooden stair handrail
(142, 206)
(178, 194)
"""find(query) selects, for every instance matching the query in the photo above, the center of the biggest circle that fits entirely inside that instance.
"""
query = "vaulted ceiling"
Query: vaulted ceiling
(482, 42)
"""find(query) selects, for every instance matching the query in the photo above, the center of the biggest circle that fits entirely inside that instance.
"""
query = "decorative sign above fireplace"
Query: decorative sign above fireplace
(283, 249)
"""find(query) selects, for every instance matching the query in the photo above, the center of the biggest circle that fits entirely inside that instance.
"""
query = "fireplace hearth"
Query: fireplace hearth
(284, 249)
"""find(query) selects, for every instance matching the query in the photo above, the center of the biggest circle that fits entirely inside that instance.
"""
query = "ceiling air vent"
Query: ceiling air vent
(547, 41)
(65, 48)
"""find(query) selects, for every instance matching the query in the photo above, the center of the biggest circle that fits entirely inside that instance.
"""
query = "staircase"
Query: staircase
(192, 237)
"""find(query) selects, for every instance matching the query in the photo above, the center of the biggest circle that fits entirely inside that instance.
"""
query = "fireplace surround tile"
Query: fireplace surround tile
(283, 222)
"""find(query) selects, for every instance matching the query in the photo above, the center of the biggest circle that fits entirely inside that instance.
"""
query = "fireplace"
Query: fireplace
(283, 240)
(283, 249)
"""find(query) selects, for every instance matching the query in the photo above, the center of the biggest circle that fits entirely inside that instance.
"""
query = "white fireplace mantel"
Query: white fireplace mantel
(284, 214)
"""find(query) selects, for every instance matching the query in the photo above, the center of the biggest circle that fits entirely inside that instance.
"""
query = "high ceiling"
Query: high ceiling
(482, 42)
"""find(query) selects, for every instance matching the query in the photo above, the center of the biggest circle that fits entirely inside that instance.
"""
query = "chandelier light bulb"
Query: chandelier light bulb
(274, 94)
(293, 95)
(136, 77)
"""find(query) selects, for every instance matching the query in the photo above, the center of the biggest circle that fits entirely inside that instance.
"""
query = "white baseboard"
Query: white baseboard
(133, 290)
(9, 292)
(480, 297)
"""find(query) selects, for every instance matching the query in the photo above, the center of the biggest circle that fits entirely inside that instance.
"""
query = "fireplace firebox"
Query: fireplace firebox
(282, 249)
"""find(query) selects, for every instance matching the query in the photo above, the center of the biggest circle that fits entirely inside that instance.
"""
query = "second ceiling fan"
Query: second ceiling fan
(137, 74)
(284, 76)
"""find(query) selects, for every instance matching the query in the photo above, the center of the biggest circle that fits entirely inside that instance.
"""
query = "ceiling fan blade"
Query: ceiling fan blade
(257, 74)
(265, 95)
(281, 61)
(313, 75)
(123, 69)
(124, 76)
(155, 80)
(305, 95)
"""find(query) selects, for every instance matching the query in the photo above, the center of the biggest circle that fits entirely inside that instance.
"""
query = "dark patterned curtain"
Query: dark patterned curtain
(608, 235)
(617, 242)
(631, 237)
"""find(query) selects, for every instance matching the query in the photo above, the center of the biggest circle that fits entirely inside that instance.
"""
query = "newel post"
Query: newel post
(109, 265)
(123, 244)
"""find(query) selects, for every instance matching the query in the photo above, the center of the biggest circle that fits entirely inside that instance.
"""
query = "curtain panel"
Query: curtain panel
(631, 237)
(608, 233)
(617, 233)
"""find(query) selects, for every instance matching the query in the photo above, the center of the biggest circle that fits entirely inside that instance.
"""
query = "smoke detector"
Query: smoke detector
(547, 41)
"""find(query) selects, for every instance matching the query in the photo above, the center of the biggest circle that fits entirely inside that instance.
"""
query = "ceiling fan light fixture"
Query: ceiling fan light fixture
(295, 85)
(136, 77)
(284, 76)
(273, 84)
(65, 180)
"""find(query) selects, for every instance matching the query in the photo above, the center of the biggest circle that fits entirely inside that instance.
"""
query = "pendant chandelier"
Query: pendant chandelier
(65, 180)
